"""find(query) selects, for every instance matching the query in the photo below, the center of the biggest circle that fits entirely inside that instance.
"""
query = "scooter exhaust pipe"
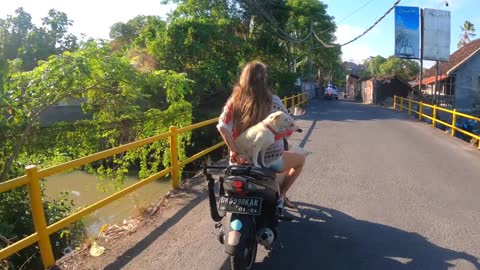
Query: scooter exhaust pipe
(265, 236)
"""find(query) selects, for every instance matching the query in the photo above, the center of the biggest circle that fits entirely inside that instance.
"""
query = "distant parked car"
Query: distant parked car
(330, 92)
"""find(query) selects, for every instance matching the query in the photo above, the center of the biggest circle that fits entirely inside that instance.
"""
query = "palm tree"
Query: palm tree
(468, 31)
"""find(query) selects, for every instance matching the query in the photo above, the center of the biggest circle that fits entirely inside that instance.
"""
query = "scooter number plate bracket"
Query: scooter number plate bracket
(241, 205)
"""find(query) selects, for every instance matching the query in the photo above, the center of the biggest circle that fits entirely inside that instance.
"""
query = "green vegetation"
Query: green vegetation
(380, 66)
(468, 31)
(152, 74)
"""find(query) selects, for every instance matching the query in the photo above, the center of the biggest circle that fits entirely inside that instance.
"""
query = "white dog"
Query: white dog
(255, 140)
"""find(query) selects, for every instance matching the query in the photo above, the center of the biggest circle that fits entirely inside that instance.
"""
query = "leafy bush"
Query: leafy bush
(16, 223)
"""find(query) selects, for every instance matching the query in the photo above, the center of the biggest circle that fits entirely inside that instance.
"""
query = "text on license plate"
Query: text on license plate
(240, 205)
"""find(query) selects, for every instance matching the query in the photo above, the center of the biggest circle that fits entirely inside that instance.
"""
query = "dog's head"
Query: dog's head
(281, 121)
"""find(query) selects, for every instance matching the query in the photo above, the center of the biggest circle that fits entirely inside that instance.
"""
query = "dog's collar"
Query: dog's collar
(270, 128)
(278, 135)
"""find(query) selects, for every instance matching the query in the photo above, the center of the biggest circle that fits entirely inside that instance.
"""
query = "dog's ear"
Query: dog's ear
(274, 117)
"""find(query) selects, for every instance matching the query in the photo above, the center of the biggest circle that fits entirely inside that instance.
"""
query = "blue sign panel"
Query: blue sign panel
(407, 32)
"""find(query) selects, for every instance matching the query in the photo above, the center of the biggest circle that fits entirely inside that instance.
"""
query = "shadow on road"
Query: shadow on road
(329, 239)
(141, 246)
(331, 110)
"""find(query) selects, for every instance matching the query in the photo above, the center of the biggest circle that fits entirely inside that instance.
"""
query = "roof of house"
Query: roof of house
(353, 67)
(456, 59)
(353, 75)
(431, 79)
(386, 78)
(381, 77)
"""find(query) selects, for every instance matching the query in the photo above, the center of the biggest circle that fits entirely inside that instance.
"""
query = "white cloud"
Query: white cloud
(357, 52)
(92, 17)
(347, 32)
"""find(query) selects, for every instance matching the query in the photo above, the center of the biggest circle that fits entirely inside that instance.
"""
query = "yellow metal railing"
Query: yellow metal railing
(33, 176)
(399, 103)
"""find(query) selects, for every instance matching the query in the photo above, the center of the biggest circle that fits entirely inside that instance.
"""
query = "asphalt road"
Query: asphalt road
(380, 191)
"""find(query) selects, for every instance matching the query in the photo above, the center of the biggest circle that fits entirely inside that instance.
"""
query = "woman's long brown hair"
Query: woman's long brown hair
(251, 98)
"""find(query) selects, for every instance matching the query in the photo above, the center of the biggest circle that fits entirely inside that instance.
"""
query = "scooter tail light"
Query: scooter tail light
(238, 185)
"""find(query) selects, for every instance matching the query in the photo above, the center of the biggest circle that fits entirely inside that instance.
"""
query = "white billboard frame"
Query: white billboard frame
(436, 34)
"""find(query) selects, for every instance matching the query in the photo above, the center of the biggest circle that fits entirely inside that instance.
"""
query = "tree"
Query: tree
(14, 33)
(305, 16)
(380, 66)
(373, 65)
(468, 31)
(56, 25)
(403, 68)
(110, 84)
(20, 38)
(274, 31)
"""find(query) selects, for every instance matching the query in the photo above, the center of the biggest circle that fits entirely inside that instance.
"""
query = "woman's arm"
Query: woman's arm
(230, 142)
(228, 138)
(225, 127)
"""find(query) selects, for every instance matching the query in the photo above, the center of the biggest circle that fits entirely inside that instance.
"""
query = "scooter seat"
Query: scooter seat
(247, 170)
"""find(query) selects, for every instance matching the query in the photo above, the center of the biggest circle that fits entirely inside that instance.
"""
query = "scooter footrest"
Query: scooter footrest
(285, 218)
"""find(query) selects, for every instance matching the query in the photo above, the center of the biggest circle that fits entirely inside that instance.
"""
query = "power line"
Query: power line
(269, 19)
(357, 10)
(348, 16)
(287, 37)
(322, 42)
(371, 27)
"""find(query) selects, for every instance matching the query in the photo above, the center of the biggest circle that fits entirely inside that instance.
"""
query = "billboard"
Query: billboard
(407, 32)
(436, 34)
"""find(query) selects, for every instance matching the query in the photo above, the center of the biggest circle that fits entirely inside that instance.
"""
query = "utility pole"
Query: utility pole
(436, 84)
(310, 60)
(295, 55)
(421, 53)
(289, 64)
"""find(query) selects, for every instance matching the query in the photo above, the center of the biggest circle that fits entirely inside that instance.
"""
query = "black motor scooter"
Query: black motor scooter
(248, 212)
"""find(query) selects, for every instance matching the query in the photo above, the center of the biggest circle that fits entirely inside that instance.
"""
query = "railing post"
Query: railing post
(285, 103)
(174, 157)
(420, 111)
(395, 102)
(409, 107)
(36, 203)
(293, 101)
(454, 121)
(401, 104)
(299, 97)
(434, 115)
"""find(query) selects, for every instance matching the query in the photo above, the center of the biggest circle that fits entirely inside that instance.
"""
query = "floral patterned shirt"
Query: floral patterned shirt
(275, 150)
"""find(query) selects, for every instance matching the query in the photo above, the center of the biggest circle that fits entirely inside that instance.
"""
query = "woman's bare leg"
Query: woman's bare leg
(293, 165)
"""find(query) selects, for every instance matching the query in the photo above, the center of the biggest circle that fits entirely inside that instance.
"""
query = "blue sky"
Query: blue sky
(94, 18)
(380, 41)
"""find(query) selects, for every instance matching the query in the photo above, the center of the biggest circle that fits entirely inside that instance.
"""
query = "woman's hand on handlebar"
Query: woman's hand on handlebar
(239, 159)
(243, 160)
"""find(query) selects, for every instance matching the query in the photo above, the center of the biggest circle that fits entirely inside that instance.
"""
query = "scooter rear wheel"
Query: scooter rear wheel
(245, 259)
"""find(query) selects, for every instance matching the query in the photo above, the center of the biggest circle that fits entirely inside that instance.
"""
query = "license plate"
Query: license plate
(242, 205)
